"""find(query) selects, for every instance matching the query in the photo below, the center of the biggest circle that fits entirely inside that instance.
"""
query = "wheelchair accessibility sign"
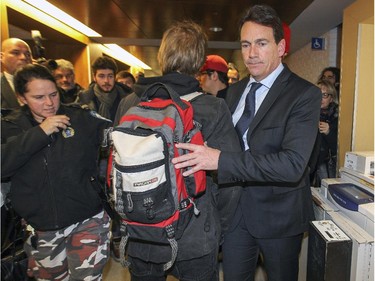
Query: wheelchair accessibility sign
(317, 43)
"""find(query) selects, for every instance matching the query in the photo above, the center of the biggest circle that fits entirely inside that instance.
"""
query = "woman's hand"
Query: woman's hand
(324, 128)
(54, 124)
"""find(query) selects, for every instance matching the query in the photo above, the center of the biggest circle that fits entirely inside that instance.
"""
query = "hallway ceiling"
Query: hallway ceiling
(137, 26)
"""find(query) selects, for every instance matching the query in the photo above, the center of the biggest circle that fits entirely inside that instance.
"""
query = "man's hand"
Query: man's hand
(54, 124)
(200, 158)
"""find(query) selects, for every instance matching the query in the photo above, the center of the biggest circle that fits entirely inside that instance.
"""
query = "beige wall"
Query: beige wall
(363, 117)
(308, 63)
(356, 117)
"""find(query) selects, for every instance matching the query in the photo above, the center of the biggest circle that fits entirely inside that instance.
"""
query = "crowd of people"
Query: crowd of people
(260, 134)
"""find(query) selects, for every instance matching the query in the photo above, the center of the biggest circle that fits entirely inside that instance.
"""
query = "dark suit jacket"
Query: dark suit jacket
(276, 201)
(8, 96)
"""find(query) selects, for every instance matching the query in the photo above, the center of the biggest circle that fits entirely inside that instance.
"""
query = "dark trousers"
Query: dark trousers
(241, 251)
(199, 269)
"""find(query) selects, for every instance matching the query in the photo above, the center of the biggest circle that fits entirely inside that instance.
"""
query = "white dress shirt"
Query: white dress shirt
(260, 95)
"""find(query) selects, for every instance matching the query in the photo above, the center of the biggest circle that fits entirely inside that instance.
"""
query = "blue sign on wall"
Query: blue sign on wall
(317, 43)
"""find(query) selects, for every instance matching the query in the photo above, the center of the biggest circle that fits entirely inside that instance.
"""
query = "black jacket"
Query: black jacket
(50, 175)
(328, 143)
(70, 96)
(222, 93)
(216, 206)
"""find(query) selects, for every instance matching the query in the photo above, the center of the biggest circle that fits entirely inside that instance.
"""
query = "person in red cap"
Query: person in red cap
(287, 35)
(213, 76)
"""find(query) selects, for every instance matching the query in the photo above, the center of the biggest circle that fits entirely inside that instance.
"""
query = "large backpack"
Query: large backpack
(153, 199)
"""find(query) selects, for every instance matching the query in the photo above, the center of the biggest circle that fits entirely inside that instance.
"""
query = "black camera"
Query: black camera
(324, 118)
(39, 52)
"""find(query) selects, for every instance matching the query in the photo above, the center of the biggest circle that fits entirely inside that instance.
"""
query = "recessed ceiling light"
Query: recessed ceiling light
(63, 17)
(216, 29)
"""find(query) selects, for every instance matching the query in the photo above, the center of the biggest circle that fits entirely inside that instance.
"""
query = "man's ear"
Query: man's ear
(214, 76)
(281, 47)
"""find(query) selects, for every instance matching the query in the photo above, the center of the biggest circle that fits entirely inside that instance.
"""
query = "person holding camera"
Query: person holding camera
(326, 165)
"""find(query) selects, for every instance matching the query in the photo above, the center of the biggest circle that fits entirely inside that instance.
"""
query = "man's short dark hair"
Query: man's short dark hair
(125, 74)
(223, 77)
(104, 63)
(264, 15)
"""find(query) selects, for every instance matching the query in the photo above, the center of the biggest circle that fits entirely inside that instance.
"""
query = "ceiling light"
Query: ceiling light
(60, 15)
(122, 55)
(50, 15)
(216, 28)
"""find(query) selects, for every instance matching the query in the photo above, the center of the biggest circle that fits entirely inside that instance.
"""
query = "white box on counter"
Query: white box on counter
(360, 161)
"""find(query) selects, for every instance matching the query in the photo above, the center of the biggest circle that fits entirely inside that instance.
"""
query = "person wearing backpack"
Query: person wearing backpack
(181, 54)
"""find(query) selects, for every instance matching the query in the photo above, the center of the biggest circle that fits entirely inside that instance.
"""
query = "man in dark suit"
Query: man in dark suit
(276, 204)
(15, 53)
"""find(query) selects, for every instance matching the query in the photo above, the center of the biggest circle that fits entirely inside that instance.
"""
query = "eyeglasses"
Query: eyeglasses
(325, 95)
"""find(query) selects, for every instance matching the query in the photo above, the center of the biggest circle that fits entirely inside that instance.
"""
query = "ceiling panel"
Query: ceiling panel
(138, 26)
(146, 21)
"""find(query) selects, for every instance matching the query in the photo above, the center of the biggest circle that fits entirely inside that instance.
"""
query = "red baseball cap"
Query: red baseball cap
(286, 37)
(215, 62)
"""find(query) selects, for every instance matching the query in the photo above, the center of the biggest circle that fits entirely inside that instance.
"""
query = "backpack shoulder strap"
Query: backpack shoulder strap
(190, 98)
(154, 88)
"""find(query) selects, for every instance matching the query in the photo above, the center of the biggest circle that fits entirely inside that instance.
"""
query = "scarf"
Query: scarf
(106, 100)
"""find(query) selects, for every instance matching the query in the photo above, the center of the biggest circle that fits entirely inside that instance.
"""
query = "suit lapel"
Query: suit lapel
(234, 94)
(276, 90)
